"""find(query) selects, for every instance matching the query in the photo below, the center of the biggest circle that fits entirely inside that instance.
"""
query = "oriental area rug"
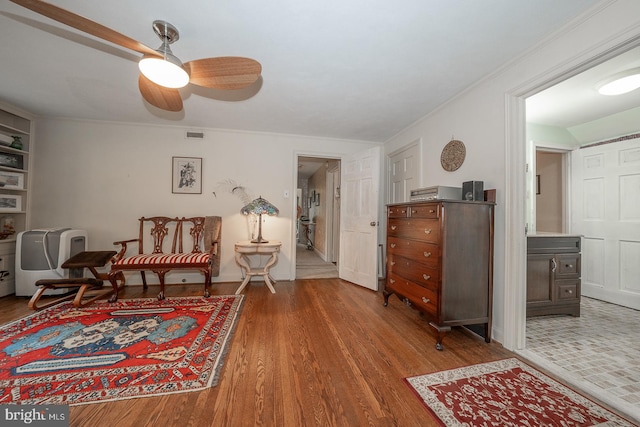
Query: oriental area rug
(507, 393)
(112, 351)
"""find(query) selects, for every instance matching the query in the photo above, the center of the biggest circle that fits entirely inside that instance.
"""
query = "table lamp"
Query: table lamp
(259, 207)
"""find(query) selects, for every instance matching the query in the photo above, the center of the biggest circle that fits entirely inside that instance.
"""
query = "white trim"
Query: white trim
(515, 242)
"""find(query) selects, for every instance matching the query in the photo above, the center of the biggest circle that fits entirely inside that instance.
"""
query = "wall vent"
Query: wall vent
(194, 135)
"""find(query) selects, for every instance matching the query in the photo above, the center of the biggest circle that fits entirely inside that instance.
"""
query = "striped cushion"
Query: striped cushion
(165, 259)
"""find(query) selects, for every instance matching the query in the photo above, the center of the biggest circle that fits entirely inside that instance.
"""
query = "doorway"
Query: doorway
(317, 217)
(560, 163)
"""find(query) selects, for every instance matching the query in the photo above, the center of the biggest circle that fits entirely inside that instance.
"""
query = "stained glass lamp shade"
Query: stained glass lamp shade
(259, 207)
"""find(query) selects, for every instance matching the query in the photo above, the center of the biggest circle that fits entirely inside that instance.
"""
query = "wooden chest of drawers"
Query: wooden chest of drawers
(440, 261)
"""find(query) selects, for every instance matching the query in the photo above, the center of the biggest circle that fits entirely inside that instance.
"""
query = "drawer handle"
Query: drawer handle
(425, 300)
(403, 211)
(432, 211)
(426, 277)
(414, 212)
(427, 254)
(427, 231)
(392, 281)
(568, 265)
(393, 263)
(569, 291)
(393, 245)
(393, 227)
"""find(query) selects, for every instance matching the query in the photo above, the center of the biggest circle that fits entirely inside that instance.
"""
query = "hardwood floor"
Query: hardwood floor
(319, 352)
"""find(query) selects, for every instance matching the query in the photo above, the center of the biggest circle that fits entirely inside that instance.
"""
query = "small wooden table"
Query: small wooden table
(244, 249)
(89, 288)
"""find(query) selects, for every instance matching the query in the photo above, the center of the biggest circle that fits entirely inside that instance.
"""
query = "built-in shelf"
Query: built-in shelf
(14, 188)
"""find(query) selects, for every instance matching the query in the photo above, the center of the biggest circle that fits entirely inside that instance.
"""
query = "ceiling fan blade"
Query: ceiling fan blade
(226, 72)
(162, 97)
(83, 24)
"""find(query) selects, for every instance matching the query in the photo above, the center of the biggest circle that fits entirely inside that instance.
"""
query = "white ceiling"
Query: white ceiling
(357, 69)
(576, 101)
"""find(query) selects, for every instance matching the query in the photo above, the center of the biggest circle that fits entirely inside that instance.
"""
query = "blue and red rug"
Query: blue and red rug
(112, 351)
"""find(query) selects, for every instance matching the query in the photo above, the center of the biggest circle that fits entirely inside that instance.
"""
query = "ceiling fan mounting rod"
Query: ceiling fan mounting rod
(167, 32)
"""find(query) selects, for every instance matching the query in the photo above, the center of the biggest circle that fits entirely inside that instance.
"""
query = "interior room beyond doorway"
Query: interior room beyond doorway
(318, 217)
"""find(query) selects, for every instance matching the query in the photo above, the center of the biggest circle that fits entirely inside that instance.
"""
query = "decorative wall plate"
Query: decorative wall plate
(453, 155)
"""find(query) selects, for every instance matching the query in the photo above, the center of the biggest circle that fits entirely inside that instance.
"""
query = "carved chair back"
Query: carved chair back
(159, 227)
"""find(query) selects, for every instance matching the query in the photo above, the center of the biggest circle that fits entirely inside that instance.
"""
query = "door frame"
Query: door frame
(531, 184)
(294, 206)
(515, 186)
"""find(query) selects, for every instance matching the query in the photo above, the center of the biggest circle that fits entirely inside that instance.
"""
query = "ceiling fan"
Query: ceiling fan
(227, 72)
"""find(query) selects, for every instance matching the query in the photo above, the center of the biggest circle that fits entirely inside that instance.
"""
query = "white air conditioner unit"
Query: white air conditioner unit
(40, 254)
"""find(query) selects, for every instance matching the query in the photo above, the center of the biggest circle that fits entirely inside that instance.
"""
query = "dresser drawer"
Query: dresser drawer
(398, 211)
(422, 298)
(426, 230)
(419, 273)
(424, 211)
(423, 252)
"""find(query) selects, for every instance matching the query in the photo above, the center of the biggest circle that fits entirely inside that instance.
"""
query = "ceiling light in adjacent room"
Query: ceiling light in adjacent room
(621, 83)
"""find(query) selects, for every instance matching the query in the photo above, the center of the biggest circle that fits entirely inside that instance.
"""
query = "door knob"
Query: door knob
(374, 223)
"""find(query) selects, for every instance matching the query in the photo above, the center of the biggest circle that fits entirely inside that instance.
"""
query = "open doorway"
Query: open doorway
(317, 217)
(562, 115)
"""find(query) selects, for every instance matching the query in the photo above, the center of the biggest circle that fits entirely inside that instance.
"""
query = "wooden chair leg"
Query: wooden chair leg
(207, 282)
(144, 279)
(161, 278)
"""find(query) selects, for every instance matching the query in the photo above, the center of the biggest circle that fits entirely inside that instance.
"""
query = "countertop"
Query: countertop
(552, 234)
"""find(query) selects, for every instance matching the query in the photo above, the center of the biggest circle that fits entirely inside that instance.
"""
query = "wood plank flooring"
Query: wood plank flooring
(319, 352)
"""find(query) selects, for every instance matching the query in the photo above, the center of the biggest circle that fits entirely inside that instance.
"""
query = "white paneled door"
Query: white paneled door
(606, 211)
(403, 174)
(360, 178)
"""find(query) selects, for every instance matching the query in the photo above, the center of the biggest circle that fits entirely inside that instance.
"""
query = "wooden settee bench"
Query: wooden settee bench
(173, 244)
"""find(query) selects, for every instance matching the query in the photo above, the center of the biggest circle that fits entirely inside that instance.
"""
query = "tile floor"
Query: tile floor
(598, 352)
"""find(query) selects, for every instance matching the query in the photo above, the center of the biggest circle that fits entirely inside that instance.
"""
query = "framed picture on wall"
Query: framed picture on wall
(10, 203)
(11, 180)
(187, 175)
(11, 160)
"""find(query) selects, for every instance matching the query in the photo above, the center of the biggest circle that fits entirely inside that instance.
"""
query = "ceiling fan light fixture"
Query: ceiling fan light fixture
(166, 71)
(620, 83)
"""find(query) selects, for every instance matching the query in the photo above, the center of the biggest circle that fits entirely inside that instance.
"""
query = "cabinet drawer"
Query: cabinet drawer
(424, 211)
(568, 290)
(568, 265)
(397, 211)
(422, 298)
(419, 273)
(555, 244)
(426, 230)
(423, 252)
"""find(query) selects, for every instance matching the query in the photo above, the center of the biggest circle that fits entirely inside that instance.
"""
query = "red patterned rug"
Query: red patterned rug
(507, 393)
(112, 351)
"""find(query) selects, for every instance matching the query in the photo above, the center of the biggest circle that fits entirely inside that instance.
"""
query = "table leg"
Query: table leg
(243, 262)
(267, 277)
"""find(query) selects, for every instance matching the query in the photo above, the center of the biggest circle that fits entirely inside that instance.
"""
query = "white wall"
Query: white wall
(495, 146)
(102, 177)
